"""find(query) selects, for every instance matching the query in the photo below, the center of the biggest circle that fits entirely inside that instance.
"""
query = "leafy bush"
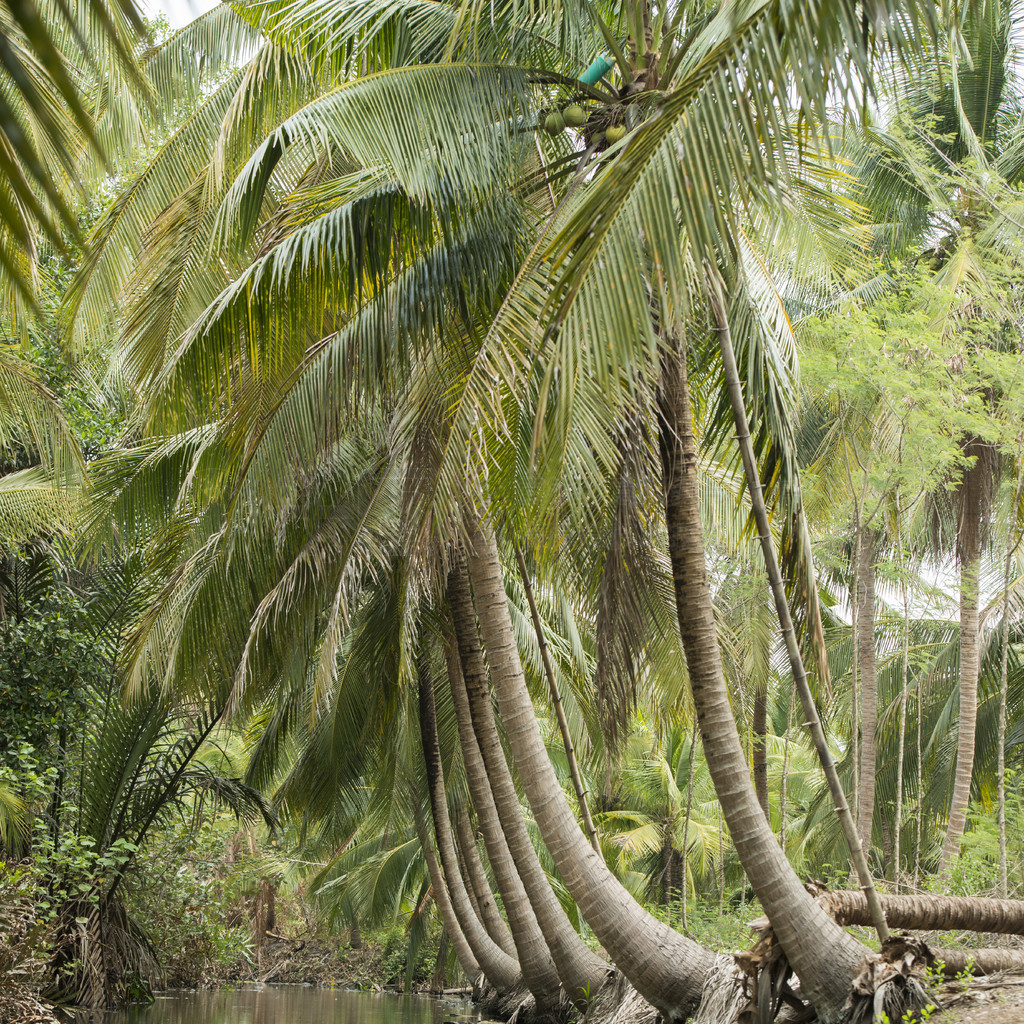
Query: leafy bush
(184, 895)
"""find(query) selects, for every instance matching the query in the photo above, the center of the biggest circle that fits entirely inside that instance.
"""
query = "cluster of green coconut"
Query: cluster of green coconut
(574, 116)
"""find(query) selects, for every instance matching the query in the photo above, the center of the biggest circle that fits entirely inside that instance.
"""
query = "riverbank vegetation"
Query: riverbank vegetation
(544, 480)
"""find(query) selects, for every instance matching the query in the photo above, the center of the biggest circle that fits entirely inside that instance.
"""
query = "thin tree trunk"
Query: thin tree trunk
(904, 697)
(759, 729)
(785, 772)
(502, 971)
(824, 956)
(580, 970)
(855, 669)
(886, 831)
(1004, 662)
(931, 913)
(666, 868)
(479, 886)
(686, 823)
(666, 968)
(796, 661)
(556, 700)
(970, 665)
(920, 816)
(452, 927)
(535, 960)
(868, 685)
(721, 864)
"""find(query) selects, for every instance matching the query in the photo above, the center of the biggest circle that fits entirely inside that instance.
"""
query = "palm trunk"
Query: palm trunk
(452, 928)
(479, 887)
(868, 685)
(667, 969)
(931, 913)
(759, 728)
(970, 665)
(470, 890)
(574, 964)
(824, 956)
(501, 970)
(556, 700)
(534, 958)
(956, 962)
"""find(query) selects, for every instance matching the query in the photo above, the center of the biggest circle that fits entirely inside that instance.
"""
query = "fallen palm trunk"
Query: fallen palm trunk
(952, 962)
(930, 913)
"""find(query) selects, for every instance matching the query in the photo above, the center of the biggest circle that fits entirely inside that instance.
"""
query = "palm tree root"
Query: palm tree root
(723, 999)
(518, 1006)
(889, 984)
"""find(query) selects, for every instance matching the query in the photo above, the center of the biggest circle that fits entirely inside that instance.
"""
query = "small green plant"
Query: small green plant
(912, 1016)
(935, 974)
(963, 977)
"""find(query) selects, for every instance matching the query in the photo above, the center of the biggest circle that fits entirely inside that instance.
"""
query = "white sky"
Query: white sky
(180, 12)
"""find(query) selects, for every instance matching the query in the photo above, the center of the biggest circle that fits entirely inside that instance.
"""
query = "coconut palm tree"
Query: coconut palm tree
(293, 358)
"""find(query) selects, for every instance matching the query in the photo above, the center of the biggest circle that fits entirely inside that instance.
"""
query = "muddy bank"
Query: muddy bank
(373, 967)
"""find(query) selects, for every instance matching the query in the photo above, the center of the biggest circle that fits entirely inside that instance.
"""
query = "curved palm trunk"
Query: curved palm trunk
(824, 956)
(452, 927)
(470, 885)
(535, 960)
(479, 887)
(868, 685)
(580, 971)
(970, 667)
(501, 970)
(666, 968)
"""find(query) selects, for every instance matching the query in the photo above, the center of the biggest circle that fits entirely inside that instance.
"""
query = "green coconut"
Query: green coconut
(554, 123)
(574, 115)
(615, 133)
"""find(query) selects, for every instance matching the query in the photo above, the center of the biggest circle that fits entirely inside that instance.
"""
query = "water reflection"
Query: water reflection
(291, 1005)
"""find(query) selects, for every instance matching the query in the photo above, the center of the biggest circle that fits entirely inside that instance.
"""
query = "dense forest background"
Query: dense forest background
(485, 483)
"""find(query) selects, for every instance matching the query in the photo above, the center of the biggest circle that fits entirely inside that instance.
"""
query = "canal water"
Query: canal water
(290, 1004)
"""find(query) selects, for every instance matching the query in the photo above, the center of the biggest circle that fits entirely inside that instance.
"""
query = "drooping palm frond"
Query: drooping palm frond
(62, 65)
